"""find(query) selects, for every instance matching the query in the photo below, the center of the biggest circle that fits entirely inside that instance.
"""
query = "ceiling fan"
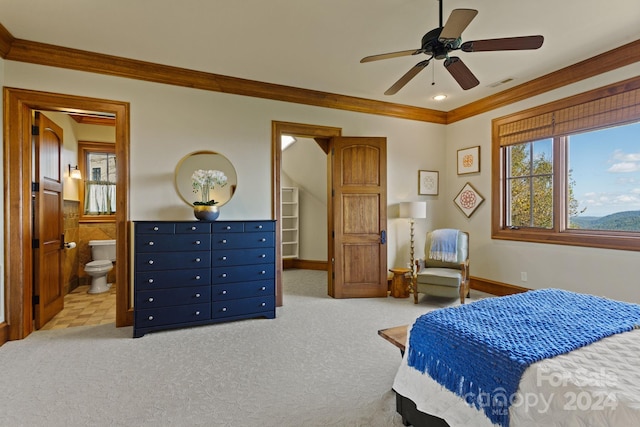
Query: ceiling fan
(440, 42)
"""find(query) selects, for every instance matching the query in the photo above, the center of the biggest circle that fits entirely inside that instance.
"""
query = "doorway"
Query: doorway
(19, 105)
(322, 135)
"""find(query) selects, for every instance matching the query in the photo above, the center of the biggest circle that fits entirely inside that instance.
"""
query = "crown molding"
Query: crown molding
(6, 39)
(45, 54)
(62, 57)
(624, 55)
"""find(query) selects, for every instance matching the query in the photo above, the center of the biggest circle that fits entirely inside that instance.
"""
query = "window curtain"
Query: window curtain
(99, 198)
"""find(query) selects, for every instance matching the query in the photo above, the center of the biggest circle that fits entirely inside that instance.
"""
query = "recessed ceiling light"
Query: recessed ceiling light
(439, 97)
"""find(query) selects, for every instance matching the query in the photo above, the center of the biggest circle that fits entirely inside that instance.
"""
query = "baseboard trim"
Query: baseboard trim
(4, 333)
(304, 264)
(494, 288)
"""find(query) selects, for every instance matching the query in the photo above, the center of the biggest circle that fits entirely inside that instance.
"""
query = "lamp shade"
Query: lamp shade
(413, 210)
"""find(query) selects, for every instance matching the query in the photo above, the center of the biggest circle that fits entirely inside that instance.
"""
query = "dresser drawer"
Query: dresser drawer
(172, 242)
(263, 239)
(242, 306)
(228, 227)
(242, 290)
(169, 279)
(242, 257)
(252, 226)
(174, 296)
(196, 227)
(170, 315)
(172, 260)
(154, 228)
(244, 273)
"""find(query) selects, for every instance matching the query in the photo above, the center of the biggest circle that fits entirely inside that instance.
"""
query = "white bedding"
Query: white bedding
(597, 385)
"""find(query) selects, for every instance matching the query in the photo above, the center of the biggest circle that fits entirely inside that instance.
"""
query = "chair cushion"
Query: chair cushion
(440, 276)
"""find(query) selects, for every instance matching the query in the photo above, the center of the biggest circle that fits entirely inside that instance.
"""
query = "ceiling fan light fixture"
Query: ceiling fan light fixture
(440, 97)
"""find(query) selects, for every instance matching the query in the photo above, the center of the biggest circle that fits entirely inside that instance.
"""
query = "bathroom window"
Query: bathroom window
(97, 161)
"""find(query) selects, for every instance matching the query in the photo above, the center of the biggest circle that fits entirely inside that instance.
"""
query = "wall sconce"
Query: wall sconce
(74, 172)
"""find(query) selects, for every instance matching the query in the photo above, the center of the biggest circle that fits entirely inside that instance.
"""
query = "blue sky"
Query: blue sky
(606, 170)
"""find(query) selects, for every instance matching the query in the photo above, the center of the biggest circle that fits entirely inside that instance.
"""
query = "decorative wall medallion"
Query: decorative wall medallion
(468, 200)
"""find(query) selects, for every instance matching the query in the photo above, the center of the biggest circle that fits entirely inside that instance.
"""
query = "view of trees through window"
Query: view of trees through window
(602, 181)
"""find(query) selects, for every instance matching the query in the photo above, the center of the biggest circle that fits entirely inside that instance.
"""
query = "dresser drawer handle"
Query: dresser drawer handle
(263, 304)
(223, 275)
(151, 243)
(155, 228)
(150, 280)
(150, 261)
(263, 256)
(150, 317)
(193, 227)
(224, 258)
(197, 295)
(224, 292)
(197, 277)
(263, 240)
(150, 299)
(259, 227)
(263, 272)
(224, 309)
(224, 241)
(197, 313)
(228, 227)
(264, 288)
(197, 259)
(197, 242)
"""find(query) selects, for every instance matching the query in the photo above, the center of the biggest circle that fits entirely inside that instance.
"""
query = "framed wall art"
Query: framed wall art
(428, 183)
(468, 200)
(469, 160)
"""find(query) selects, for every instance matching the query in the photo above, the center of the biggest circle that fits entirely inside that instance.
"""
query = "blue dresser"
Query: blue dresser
(195, 273)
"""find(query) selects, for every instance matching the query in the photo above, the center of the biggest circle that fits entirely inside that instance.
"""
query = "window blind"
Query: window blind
(619, 104)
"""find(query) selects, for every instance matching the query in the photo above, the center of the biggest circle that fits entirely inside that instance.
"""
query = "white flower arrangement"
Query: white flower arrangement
(206, 180)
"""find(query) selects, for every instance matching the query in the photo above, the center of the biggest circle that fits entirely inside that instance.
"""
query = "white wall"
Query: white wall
(168, 122)
(605, 272)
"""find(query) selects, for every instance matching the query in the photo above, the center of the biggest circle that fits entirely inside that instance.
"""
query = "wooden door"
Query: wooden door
(358, 250)
(48, 228)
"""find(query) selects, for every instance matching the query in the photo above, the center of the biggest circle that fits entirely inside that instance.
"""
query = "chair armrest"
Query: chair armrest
(419, 264)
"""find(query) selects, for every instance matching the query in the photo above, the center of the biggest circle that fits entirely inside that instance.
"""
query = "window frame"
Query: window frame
(84, 148)
(559, 233)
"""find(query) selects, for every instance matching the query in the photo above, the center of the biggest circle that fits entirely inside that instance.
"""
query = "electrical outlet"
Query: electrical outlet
(523, 276)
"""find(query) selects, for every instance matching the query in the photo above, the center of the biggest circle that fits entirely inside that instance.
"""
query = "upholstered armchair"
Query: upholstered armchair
(444, 269)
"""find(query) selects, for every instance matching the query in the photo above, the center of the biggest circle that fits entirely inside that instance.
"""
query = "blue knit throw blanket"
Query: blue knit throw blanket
(480, 350)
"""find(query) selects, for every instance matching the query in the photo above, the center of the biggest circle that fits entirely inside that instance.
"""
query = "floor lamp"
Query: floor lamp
(413, 211)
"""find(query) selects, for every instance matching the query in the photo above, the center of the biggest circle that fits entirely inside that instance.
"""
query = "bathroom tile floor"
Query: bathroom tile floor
(81, 308)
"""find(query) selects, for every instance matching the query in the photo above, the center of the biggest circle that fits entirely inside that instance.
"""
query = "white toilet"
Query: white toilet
(103, 254)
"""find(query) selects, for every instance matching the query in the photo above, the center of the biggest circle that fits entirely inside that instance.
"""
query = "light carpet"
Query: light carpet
(319, 363)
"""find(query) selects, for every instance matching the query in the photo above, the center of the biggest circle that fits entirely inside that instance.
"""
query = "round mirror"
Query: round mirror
(205, 175)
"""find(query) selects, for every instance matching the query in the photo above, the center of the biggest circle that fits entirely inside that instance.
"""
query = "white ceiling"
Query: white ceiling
(317, 44)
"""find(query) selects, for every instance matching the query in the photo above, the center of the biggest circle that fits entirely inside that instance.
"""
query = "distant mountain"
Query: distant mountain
(623, 221)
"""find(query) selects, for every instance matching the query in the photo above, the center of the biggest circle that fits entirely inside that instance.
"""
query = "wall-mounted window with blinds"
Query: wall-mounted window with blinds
(568, 172)
(97, 161)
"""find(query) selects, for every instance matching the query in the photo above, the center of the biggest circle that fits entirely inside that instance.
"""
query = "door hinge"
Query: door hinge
(36, 299)
(35, 186)
(35, 243)
(35, 130)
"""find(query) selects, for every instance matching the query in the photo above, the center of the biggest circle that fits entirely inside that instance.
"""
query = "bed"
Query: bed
(594, 383)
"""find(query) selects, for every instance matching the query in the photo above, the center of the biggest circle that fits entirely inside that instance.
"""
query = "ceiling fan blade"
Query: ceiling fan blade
(509, 43)
(407, 77)
(456, 23)
(391, 55)
(461, 72)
